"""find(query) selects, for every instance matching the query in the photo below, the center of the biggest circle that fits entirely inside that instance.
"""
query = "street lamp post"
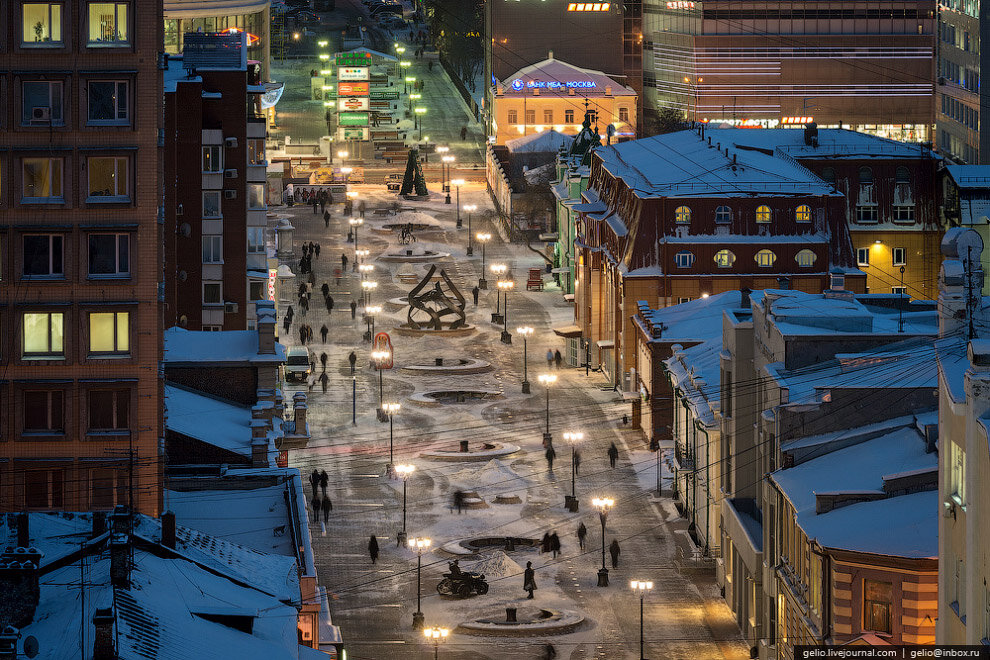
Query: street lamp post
(603, 504)
(355, 223)
(457, 183)
(342, 155)
(547, 380)
(641, 588)
(470, 208)
(403, 65)
(358, 254)
(365, 269)
(410, 99)
(525, 331)
(483, 238)
(573, 438)
(437, 636)
(403, 471)
(419, 112)
(419, 545)
(391, 409)
(380, 357)
(506, 286)
(498, 270)
(369, 316)
(368, 286)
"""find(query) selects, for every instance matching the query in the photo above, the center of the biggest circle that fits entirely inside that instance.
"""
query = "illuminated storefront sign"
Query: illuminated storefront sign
(352, 89)
(352, 118)
(589, 6)
(518, 84)
(272, 276)
(796, 120)
(762, 123)
(680, 4)
(354, 103)
(353, 59)
(352, 73)
(251, 39)
(352, 133)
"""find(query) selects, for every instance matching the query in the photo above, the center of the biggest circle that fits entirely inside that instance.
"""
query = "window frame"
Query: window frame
(212, 283)
(761, 257)
(252, 188)
(51, 43)
(109, 199)
(253, 151)
(902, 260)
(684, 256)
(116, 323)
(117, 491)
(730, 260)
(802, 214)
(117, 395)
(764, 215)
(219, 195)
(859, 256)
(119, 237)
(50, 492)
(869, 617)
(867, 214)
(723, 215)
(957, 473)
(865, 176)
(126, 42)
(253, 246)
(568, 116)
(682, 215)
(51, 199)
(904, 213)
(527, 114)
(51, 353)
(212, 252)
(53, 120)
(212, 149)
(52, 274)
(624, 113)
(117, 83)
(547, 115)
(814, 258)
(54, 426)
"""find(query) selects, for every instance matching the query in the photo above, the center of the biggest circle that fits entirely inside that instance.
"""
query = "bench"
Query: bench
(379, 136)
(389, 145)
(535, 280)
(392, 155)
(380, 105)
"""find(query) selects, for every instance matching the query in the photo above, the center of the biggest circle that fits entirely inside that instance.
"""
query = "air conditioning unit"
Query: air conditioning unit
(41, 113)
(230, 194)
(230, 174)
(230, 143)
(229, 308)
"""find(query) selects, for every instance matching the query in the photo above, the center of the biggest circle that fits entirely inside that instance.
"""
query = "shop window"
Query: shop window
(42, 180)
(107, 103)
(724, 259)
(682, 215)
(42, 24)
(765, 258)
(109, 333)
(108, 179)
(107, 23)
(802, 213)
(109, 255)
(41, 103)
(806, 258)
(109, 410)
(876, 605)
(43, 411)
(762, 214)
(43, 255)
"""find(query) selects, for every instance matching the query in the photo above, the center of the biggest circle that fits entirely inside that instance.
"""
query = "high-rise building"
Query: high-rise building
(869, 66)
(959, 104)
(215, 214)
(80, 256)
(252, 17)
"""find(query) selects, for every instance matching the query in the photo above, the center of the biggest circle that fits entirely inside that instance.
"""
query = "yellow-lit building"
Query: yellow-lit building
(556, 95)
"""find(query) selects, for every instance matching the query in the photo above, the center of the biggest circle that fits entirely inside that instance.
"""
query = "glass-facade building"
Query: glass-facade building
(251, 16)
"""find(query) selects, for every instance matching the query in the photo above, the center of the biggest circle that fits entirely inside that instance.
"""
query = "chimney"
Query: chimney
(103, 648)
(19, 585)
(811, 134)
(259, 452)
(8, 643)
(23, 531)
(259, 429)
(837, 280)
(608, 90)
(300, 417)
(266, 329)
(168, 530)
(120, 556)
(99, 523)
(550, 55)
(744, 301)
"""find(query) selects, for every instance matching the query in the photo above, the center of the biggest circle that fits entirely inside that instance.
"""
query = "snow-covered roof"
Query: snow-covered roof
(240, 346)
(174, 74)
(375, 53)
(833, 143)
(683, 165)
(971, 177)
(902, 526)
(208, 419)
(555, 78)
(696, 320)
(547, 141)
(798, 313)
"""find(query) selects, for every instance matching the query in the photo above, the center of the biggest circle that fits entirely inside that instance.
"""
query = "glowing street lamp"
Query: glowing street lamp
(499, 271)
(358, 254)
(483, 238)
(412, 97)
(506, 286)
(368, 287)
(525, 331)
(547, 380)
(470, 208)
(457, 183)
(573, 439)
(420, 111)
(323, 43)
(380, 358)
(342, 154)
(324, 56)
(391, 409)
(369, 316)
(419, 545)
(642, 588)
(437, 636)
(355, 223)
(604, 505)
(366, 269)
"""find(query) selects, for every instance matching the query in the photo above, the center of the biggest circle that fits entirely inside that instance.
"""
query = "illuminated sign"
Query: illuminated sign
(518, 84)
(272, 276)
(590, 6)
(353, 133)
(251, 39)
(796, 120)
(355, 103)
(383, 343)
(680, 4)
(352, 73)
(762, 123)
(352, 118)
(352, 89)
(353, 59)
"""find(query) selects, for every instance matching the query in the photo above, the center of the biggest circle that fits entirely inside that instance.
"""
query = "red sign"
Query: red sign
(384, 343)
(354, 103)
(353, 89)
(282, 460)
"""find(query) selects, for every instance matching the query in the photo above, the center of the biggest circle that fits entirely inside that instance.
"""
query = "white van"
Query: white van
(297, 364)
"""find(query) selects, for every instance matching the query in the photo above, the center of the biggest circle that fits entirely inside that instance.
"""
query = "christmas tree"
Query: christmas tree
(413, 179)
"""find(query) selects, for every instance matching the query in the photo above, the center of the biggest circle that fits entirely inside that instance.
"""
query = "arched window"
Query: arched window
(724, 259)
(829, 175)
(765, 258)
(806, 258)
(723, 215)
(682, 215)
(865, 176)
(684, 259)
(802, 213)
(903, 175)
(762, 214)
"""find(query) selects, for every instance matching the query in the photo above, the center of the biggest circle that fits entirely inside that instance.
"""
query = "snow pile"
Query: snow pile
(497, 565)
(415, 217)
(493, 475)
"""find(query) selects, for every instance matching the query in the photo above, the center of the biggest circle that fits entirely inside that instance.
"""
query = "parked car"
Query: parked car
(297, 366)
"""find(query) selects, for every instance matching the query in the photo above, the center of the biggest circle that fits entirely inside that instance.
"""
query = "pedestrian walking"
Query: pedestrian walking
(557, 359)
(429, 65)
(529, 579)
(362, 207)
(549, 359)
(324, 379)
(551, 454)
(323, 205)
(582, 534)
(316, 508)
(353, 309)
(373, 549)
(555, 544)
(326, 219)
(613, 550)
(545, 543)
(314, 480)
(343, 262)
(549, 652)
(323, 356)
(302, 335)
(329, 300)
(317, 248)
(289, 313)
(458, 501)
(325, 289)
(316, 204)
(286, 322)
(463, 132)
(352, 358)
(324, 482)
(324, 331)
(474, 294)
(576, 457)
(327, 507)
(302, 288)
(613, 454)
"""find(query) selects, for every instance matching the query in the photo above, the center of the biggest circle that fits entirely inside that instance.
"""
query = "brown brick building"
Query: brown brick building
(80, 262)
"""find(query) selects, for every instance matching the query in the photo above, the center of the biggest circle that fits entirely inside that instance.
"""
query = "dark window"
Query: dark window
(43, 255)
(109, 410)
(43, 489)
(903, 175)
(109, 254)
(876, 605)
(108, 102)
(107, 488)
(568, 117)
(43, 411)
(866, 176)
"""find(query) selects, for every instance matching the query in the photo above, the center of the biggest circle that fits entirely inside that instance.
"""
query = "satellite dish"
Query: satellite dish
(182, 276)
(610, 130)
(31, 646)
(185, 229)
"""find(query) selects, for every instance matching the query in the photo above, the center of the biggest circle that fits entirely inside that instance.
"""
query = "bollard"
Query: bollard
(464, 446)
(439, 362)
(510, 615)
(510, 544)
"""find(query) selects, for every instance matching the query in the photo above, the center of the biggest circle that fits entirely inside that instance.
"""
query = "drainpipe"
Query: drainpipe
(708, 485)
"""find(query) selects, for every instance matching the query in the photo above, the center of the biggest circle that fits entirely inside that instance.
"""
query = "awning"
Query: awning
(569, 297)
(568, 331)
(605, 343)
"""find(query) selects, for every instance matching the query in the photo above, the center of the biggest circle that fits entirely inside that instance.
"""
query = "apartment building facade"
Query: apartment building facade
(80, 257)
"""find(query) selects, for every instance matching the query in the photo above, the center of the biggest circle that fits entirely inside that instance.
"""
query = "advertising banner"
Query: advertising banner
(353, 89)
(354, 103)
(352, 133)
(352, 118)
(353, 59)
(352, 73)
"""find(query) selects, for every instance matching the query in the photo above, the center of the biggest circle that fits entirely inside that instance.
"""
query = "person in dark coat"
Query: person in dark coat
(549, 652)
(555, 545)
(325, 289)
(582, 533)
(557, 359)
(613, 454)
(316, 508)
(286, 323)
(316, 204)
(529, 579)
(362, 207)
(458, 501)
(353, 309)
(551, 454)
(327, 507)
(324, 482)
(323, 205)
(463, 132)
(324, 379)
(474, 294)
(329, 303)
(324, 331)
(326, 219)
(613, 550)
(323, 356)
(576, 458)
(289, 313)
(352, 358)
(373, 549)
(302, 335)
(314, 480)
(317, 248)
(343, 262)
(545, 543)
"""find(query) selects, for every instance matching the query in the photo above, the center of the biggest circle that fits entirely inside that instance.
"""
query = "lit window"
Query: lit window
(43, 412)
(256, 196)
(765, 258)
(42, 24)
(211, 204)
(109, 332)
(256, 151)
(568, 116)
(723, 215)
(43, 255)
(724, 259)
(684, 259)
(513, 117)
(108, 179)
(41, 103)
(212, 159)
(806, 258)
(212, 293)
(898, 256)
(107, 103)
(682, 215)
(109, 410)
(957, 473)
(213, 249)
(866, 214)
(899, 290)
(42, 180)
(762, 214)
(863, 256)
(107, 23)
(876, 605)
(43, 334)
(802, 213)
(109, 255)
(256, 240)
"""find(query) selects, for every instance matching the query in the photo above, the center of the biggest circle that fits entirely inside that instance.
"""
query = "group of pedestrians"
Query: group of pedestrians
(550, 543)
(320, 501)
(554, 359)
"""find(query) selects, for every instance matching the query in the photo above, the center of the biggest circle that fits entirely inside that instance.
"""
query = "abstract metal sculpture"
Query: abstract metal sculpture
(436, 303)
